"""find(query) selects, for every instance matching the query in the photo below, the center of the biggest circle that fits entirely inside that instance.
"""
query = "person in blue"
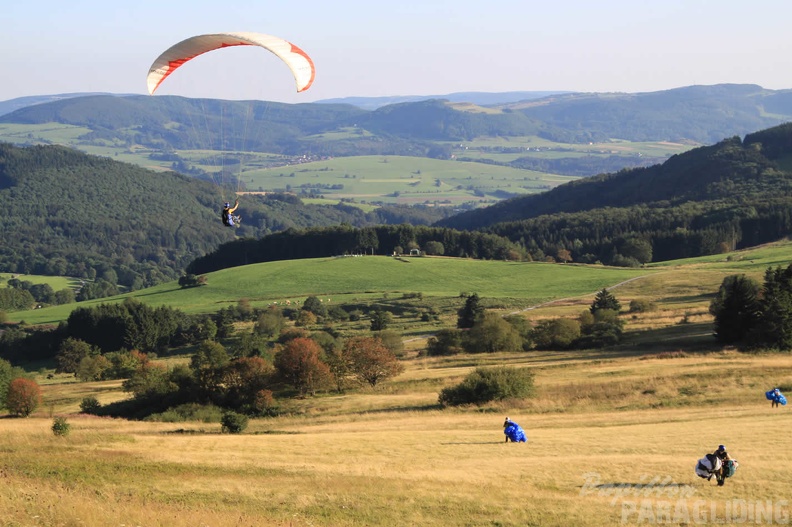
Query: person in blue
(229, 220)
(513, 432)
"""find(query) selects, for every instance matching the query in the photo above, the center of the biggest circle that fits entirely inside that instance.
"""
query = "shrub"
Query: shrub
(380, 319)
(605, 329)
(559, 333)
(393, 341)
(444, 342)
(205, 413)
(491, 333)
(90, 405)
(337, 313)
(642, 306)
(489, 384)
(264, 403)
(60, 427)
(233, 423)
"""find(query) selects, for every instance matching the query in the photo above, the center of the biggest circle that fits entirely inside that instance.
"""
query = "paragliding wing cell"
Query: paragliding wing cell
(297, 60)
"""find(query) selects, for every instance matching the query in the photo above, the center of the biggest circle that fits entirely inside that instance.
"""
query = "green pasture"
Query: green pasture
(748, 261)
(325, 201)
(41, 133)
(350, 132)
(56, 282)
(536, 147)
(347, 279)
(401, 178)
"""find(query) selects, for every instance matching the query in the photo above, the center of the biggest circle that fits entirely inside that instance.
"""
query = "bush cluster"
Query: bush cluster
(485, 385)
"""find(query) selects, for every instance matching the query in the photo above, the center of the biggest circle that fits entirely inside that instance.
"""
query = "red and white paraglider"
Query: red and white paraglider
(300, 64)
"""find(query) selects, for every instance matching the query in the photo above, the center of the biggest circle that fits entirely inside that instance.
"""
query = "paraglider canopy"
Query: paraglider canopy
(296, 59)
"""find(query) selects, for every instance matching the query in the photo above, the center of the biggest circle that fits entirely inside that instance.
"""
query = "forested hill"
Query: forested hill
(734, 194)
(68, 213)
(731, 168)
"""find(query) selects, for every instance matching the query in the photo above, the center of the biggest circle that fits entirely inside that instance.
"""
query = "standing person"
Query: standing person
(777, 397)
(728, 465)
(229, 220)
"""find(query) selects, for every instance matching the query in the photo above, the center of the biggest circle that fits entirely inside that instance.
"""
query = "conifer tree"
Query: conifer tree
(472, 310)
(736, 308)
(605, 300)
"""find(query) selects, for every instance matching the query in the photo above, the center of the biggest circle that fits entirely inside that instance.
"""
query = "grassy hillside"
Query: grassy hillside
(355, 278)
(548, 289)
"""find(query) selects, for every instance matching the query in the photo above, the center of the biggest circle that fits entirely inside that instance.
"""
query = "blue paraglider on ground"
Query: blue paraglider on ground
(514, 432)
(777, 396)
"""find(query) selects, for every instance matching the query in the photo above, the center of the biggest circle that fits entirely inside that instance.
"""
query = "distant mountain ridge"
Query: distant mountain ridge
(18, 103)
(479, 98)
(698, 114)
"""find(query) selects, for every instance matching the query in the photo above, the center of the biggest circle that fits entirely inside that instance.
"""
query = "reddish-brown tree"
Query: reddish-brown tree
(23, 397)
(370, 360)
(299, 363)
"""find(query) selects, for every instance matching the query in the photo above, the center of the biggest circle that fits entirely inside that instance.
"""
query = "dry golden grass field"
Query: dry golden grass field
(613, 438)
(610, 438)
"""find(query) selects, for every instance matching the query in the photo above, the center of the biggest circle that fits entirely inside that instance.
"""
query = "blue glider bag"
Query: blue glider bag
(772, 395)
(515, 433)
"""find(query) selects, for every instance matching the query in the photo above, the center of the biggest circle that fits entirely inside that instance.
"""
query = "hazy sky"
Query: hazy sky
(404, 47)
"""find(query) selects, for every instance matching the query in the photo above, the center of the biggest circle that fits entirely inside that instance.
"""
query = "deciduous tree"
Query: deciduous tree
(23, 397)
(299, 364)
(370, 360)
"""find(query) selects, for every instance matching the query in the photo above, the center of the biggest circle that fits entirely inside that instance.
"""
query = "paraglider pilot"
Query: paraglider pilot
(722, 454)
(513, 432)
(229, 219)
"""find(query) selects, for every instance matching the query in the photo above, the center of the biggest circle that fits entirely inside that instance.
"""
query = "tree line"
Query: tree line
(240, 371)
(754, 316)
(345, 239)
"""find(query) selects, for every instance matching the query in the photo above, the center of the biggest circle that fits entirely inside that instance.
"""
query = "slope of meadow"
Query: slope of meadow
(613, 434)
(346, 279)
